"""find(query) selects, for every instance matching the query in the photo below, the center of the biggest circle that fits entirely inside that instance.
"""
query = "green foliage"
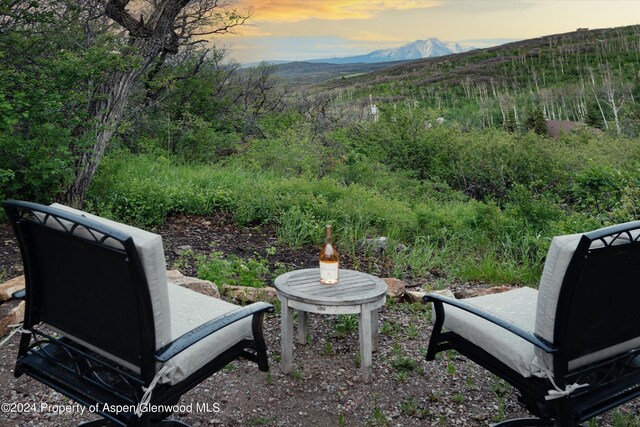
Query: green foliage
(567, 76)
(594, 116)
(525, 190)
(458, 398)
(421, 257)
(403, 364)
(510, 124)
(390, 328)
(468, 204)
(378, 419)
(499, 388)
(297, 228)
(36, 168)
(232, 270)
(410, 407)
(535, 121)
(598, 188)
(328, 348)
(622, 419)
(346, 324)
(52, 60)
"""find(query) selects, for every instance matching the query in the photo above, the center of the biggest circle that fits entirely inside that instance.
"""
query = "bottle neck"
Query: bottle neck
(329, 235)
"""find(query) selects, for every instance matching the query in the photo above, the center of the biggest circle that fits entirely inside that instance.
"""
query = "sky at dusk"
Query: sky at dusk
(306, 29)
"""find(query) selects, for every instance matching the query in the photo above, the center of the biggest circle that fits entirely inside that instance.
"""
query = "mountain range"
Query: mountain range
(318, 70)
(429, 48)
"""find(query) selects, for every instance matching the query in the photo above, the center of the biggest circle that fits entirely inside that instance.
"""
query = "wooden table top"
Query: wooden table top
(353, 287)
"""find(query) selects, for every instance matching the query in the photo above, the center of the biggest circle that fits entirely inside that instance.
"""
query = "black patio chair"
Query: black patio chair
(103, 327)
(571, 348)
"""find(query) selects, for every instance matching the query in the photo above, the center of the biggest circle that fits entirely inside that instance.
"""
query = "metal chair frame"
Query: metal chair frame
(597, 309)
(92, 289)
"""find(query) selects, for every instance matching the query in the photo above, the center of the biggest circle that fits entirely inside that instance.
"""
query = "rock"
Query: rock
(249, 294)
(11, 286)
(470, 293)
(376, 245)
(445, 293)
(202, 286)
(11, 313)
(395, 287)
(416, 296)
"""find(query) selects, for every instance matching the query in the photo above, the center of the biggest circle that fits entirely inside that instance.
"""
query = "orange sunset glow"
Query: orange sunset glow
(298, 30)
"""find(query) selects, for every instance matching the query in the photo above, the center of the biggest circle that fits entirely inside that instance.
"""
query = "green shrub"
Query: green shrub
(495, 240)
(297, 228)
(35, 168)
(232, 270)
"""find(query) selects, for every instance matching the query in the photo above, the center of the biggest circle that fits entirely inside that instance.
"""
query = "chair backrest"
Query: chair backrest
(589, 295)
(87, 278)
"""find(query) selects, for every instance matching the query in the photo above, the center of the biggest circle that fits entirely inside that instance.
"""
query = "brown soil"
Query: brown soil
(325, 388)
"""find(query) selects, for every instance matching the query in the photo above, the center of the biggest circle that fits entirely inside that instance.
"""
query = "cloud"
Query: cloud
(249, 30)
(335, 10)
(375, 36)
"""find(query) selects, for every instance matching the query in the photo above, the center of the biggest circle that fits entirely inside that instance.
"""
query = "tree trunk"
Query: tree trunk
(111, 97)
(107, 108)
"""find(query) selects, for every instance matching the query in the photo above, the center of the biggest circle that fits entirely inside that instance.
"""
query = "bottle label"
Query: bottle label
(329, 272)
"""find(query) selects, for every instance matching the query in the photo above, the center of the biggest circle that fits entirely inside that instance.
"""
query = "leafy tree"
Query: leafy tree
(74, 65)
(41, 98)
(199, 106)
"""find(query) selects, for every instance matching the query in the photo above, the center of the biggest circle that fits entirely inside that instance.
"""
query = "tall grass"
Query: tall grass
(477, 205)
(465, 238)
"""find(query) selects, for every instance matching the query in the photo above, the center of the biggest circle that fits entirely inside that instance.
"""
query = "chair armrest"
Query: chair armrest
(523, 333)
(187, 340)
(21, 294)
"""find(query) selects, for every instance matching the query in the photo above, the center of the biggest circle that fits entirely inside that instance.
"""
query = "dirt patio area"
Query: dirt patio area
(325, 388)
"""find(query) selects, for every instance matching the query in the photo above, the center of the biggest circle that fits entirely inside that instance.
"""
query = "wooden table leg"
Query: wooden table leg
(303, 329)
(366, 360)
(374, 330)
(286, 335)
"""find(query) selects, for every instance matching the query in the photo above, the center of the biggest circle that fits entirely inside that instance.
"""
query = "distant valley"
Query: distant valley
(323, 69)
(303, 73)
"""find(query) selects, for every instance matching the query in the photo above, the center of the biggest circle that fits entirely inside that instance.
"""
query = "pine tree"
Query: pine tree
(536, 122)
(594, 116)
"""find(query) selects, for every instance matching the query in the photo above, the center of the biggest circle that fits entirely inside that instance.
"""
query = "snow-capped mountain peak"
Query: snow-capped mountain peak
(418, 49)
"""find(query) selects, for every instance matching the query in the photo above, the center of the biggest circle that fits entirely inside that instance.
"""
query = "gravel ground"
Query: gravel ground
(325, 388)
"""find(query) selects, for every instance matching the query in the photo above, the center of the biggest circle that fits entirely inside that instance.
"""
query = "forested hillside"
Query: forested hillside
(586, 76)
(94, 113)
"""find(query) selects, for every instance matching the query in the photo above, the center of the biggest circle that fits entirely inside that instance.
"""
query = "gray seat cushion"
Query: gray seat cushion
(558, 258)
(189, 310)
(532, 310)
(517, 306)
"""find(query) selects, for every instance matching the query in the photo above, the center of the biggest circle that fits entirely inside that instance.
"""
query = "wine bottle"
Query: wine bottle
(329, 260)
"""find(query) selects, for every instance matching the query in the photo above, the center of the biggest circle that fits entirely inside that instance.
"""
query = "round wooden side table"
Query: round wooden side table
(355, 293)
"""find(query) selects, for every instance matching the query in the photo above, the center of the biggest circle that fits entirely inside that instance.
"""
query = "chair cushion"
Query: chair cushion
(189, 310)
(151, 253)
(517, 306)
(558, 258)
